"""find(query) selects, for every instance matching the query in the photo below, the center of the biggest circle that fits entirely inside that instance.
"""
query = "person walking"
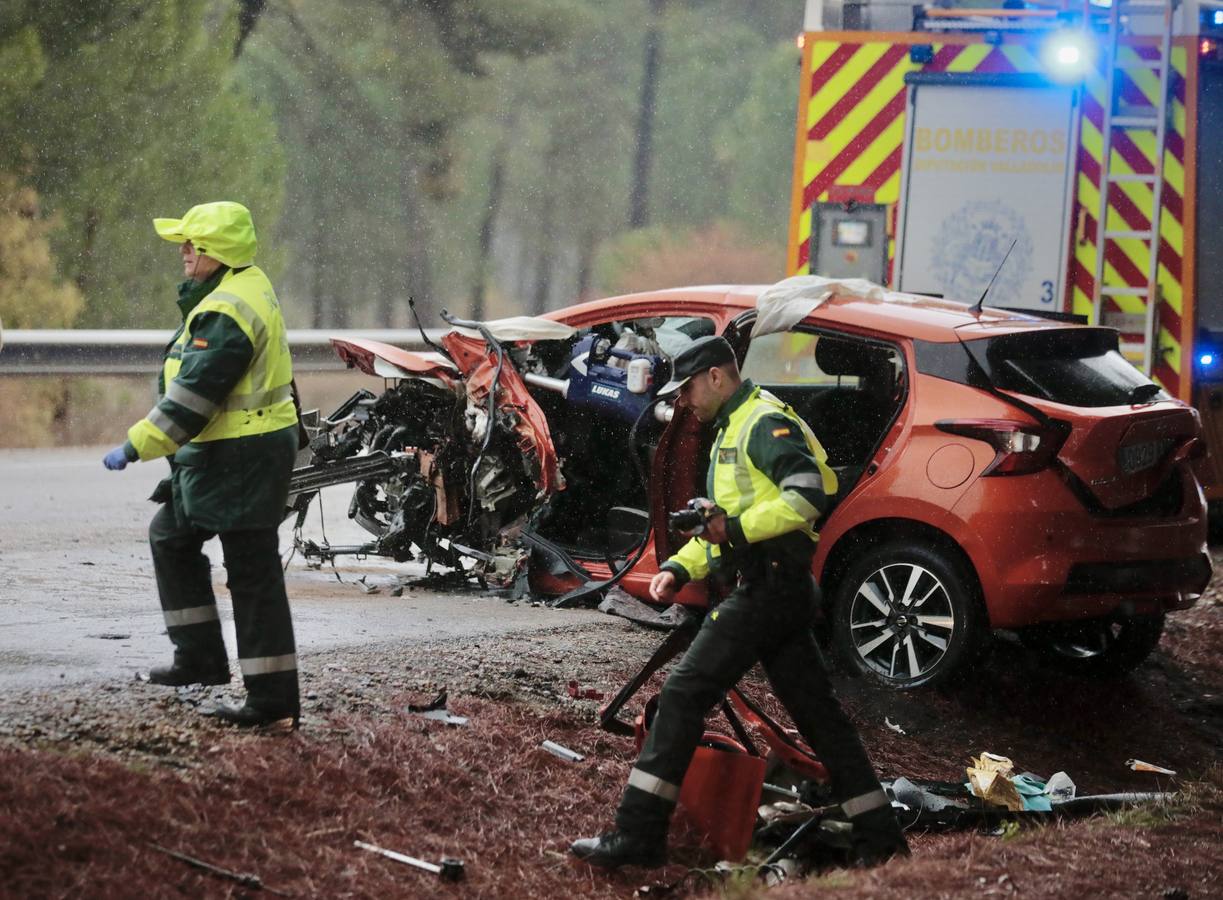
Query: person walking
(769, 482)
(227, 420)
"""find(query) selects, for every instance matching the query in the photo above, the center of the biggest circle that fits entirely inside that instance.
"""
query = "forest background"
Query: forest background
(490, 156)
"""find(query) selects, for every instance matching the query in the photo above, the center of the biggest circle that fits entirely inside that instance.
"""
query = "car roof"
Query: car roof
(902, 314)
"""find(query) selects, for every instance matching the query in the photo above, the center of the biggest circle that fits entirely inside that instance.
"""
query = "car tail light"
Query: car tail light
(1021, 448)
(1194, 448)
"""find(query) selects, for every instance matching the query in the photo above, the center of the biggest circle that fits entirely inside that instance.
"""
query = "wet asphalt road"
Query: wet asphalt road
(78, 600)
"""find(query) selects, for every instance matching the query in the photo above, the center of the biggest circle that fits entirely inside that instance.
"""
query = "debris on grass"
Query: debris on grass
(1138, 765)
(562, 752)
(245, 879)
(577, 692)
(620, 602)
(438, 702)
(444, 716)
(448, 869)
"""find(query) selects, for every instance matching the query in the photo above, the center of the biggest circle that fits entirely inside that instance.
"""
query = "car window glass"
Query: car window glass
(847, 388)
(675, 333)
(789, 358)
(1078, 367)
(665, 335)
(1105, 380)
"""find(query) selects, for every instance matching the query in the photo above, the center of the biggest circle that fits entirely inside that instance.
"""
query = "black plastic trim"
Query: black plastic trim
(1189, 575)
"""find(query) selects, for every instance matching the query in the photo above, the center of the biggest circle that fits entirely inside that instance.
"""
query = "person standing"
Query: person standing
(227, 421)
(769, 482)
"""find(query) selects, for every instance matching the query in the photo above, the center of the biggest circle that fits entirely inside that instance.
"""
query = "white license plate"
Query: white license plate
(1137, 457)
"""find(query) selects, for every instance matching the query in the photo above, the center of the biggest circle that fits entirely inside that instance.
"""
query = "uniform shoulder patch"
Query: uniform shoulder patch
(781, 432)
(199, 342)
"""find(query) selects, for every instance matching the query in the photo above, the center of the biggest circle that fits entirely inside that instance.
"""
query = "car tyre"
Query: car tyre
(1101, 647)
(907, 615)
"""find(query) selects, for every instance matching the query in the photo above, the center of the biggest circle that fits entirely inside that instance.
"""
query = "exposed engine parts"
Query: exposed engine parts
(410, 453)
(456, 461)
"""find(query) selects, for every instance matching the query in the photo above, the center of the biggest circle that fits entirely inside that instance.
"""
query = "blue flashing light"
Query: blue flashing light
(1068, 55)
(1206, 359)
(1216, 17)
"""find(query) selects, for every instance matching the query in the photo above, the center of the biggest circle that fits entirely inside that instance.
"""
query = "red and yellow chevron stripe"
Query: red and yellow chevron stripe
(851, 128)
(1126, 261)
(851, 120)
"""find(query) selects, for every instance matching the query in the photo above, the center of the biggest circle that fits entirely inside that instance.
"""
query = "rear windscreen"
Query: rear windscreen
(1075, 366)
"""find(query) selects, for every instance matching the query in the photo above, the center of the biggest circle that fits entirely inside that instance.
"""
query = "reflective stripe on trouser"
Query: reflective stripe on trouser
(644, 781)
(753, 623)
(266, 650)
(184, 585)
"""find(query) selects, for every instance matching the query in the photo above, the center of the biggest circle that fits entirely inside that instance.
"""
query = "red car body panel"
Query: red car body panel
(361, 353)
(1123, 427)
(478, 364)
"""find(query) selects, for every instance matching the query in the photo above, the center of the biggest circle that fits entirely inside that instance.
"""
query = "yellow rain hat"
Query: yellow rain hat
(222, 230)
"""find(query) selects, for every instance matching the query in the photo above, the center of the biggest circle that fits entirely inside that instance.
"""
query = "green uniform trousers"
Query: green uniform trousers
(767, 620)
(266, 650)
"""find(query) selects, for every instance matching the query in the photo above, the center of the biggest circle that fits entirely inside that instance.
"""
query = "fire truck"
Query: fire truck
(1085, 141)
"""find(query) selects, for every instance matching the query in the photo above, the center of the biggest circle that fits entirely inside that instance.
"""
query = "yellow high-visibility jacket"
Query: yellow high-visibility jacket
(770, 474)
(208, 395)
(226, 415)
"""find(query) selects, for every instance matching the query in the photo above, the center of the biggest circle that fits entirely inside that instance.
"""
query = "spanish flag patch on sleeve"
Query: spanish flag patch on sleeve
(781, 432)
(202, 344)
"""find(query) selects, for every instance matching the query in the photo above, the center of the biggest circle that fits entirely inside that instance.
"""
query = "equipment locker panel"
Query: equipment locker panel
(850, 241)
(988, 160)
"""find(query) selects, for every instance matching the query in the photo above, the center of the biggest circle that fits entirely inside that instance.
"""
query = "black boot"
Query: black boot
(248, 716)
(876, 838)
(621, 848)
(185, 671)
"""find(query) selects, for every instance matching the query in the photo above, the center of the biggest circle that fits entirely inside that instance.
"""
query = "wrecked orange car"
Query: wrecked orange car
(996, 469)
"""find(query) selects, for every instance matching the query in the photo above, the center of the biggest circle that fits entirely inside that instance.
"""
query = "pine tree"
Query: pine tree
(31, 293)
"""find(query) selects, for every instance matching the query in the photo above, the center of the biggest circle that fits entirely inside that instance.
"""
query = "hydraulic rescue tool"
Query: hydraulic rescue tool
(596, 382)
(448, 869)
(692, 519)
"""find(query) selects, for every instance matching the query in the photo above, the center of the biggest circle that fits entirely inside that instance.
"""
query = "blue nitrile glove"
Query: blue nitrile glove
(116, 459)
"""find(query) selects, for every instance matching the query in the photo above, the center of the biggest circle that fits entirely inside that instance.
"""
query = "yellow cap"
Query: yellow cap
(222, 230)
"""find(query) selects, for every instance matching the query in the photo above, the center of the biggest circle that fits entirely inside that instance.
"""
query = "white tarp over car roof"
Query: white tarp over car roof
(523, 328)
(785, 304)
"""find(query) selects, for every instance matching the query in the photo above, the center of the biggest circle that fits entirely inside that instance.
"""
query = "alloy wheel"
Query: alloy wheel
(901, 621)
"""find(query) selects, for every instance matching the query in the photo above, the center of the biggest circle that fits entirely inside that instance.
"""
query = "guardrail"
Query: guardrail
(66, 351)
